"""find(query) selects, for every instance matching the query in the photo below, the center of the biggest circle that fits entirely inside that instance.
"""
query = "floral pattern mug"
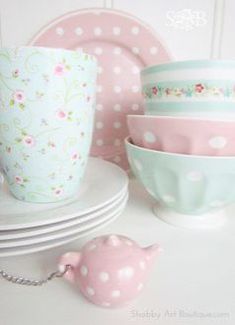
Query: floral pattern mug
(47, 99)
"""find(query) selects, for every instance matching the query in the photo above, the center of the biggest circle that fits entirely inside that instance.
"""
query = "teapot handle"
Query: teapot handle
(69, 259)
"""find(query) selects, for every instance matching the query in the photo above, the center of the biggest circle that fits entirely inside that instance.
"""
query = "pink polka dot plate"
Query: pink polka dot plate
(123, 45)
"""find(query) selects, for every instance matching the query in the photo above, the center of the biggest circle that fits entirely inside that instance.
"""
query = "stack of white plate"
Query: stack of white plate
(27, 227)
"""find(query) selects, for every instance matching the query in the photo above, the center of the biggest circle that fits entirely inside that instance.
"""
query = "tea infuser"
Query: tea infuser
(109, 270)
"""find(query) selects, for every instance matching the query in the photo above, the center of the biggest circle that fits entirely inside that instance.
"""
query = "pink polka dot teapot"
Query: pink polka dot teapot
(110, 270)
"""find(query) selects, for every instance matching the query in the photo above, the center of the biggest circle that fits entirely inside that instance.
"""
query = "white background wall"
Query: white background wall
(21, 19)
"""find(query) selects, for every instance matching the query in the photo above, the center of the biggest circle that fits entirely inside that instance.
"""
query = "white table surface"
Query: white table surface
(195, 275)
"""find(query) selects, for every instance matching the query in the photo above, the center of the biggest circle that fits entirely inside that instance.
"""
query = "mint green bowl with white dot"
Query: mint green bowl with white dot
(190, 191)
(190, 88)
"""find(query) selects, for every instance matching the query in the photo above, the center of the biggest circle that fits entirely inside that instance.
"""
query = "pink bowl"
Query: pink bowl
(185, 135)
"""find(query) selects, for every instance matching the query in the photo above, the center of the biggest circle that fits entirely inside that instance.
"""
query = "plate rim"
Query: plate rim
(60, 243)
(33, 232)
(31, 224)
(62, 234)
(98, 11)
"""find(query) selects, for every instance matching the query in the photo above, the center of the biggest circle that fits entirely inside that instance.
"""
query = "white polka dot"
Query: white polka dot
(135, 89)
(194, 176)
(113, 240)
(149, 137)
(99, 107)
(135, 69)
(117, 70)
(99, 89)
(59, 31)
(117, 159)
(168, 198)
(104, 276)
(90, 291)
(97, 31)
(115, 293)
(218, 142)
(217, 204)
(135, 107)
(106, 304)
(153, 50)
(78, 31)
(99, 142)
(117, 89)
(117, 142)
(84, 270)
(138, 164)
(117, 125)
(117, 107)
(98, 50)
(135, 30)
(117, 50)
(135, 50)
(140, 286)
(116, 30)
(126, 272)
(100, 70)
(99, 125)
(142, 265)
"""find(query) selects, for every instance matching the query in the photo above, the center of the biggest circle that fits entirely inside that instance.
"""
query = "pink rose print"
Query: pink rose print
(19, 180)
(62, 115)
(199, 88)
(29, 141)
(19, 96)
(75, 156)
(51, 144)
(60, 69)
(168, 91)
(15, 73)
(58, 191)
(154, 90)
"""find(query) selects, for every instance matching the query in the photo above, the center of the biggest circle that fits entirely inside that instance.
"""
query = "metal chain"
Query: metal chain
(28, 282)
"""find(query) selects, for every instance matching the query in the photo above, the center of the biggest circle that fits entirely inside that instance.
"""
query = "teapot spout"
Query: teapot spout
(152, 251)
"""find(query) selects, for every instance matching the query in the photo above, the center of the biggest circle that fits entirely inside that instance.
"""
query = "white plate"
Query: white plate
(35, 231)
(65, 232)
(102, 184)
(59, 242)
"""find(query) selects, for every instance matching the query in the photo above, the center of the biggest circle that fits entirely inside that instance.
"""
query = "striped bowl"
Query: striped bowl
(190, 88)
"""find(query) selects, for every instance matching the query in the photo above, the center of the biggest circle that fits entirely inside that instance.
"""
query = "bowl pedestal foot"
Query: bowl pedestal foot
(212, 219)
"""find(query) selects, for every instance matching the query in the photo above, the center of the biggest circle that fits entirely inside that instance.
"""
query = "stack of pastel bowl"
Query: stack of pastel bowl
(183, 149)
